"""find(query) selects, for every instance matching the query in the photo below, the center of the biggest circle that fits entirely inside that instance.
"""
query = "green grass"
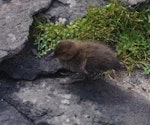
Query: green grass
(128, 30)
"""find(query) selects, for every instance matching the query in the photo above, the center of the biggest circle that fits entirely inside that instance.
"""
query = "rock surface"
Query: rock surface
(15, 20)
(49, 102)
(53, 101)
(10, 116)
(27, 66)
(134, 2)
(136, 81)
(68, 10)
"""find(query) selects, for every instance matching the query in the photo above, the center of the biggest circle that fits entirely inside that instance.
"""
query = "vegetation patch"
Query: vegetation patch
(128, 30)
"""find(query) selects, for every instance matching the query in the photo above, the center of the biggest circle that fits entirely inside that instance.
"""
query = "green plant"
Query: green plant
(128, 29)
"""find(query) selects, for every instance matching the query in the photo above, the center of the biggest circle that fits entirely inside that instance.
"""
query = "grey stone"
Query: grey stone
(10, 116)
(134, 2)
(91, 102)
(15, 20)
(27, 66)
(54, 101)
(68, 10)
(137, 81)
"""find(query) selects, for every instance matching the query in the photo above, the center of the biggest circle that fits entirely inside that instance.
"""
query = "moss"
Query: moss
(128, 30)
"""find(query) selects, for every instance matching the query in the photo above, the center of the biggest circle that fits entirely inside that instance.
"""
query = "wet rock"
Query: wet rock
(90, 102)
(15, 20)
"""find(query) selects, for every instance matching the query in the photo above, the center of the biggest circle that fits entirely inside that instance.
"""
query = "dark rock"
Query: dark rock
(15, 20)
(47, 101)
(27, 66)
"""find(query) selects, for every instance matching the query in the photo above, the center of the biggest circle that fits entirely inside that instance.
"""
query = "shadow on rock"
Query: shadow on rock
(113, 103)
(27, 66)
(102, 92)
(81, 103)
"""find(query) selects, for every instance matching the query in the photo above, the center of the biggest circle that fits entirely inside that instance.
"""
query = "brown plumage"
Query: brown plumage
(85, 57)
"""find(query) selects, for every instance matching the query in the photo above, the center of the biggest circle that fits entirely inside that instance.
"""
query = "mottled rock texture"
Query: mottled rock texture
(15, 20)
(56, 102)
(9, 115)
